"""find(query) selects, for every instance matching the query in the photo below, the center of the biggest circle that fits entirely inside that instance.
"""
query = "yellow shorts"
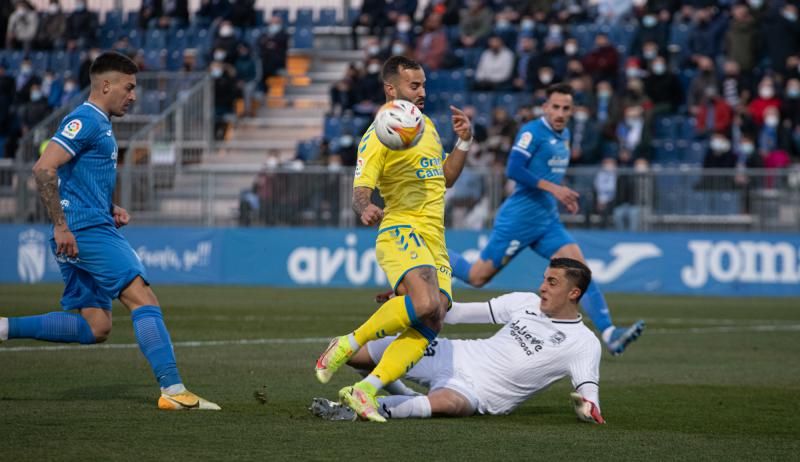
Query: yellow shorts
(399, 249)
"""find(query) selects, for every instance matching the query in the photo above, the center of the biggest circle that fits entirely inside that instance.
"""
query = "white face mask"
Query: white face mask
(216, 72)
(545, 77)
(52, 9)
(527, 24)
(659, 68)
(219, 55)
(755, 4)
(747, 148)
(398, 49)
(632, 72)
(226, 31)
(503, 24)
(36, 95)
(570, 48)
(633, 120)
(374, 68)
(403, 26)
(771, 121)
(581, 116)
(720, 145)
(275, 28)
(649, 21)
(69, 87)
(766, 92)
(650, 53)
(25, 70)
(373, 50)
(603, 94)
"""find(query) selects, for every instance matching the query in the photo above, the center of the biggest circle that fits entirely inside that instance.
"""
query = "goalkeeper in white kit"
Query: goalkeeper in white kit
(543, 340)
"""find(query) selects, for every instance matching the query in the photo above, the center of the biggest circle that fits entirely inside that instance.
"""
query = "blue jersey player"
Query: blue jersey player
(76, 176)
(529, 217)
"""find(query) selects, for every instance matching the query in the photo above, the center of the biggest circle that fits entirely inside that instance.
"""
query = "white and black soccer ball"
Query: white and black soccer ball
(399, 125)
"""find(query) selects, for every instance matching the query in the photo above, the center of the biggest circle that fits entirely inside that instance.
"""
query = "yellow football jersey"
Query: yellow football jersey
(411, 181)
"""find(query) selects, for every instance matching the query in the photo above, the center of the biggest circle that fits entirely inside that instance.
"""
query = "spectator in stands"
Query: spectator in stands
(629, 196)
(781, 34)
(343, 93)
(476, 24)
(603, 61)
(663, 88)
(164, 14)
(495, 67)
(652, 28)
(399, 48)
(790, 105)
(399, 8)
(149, 12)
(605, 189)
(649, 53)
(189, 60)
(404, 30)
(273, 45)
(52, 27)
(719, 156)
(212, 11)
(373, 17)
(735, 87)
(34, 110)
(449, 10)
(22, 26)
(7, 115)
(770, 136)
(606, 105)
(26, 77)
(86, 63)
(372, 48)
(633, 134)
(225, 94)
(52, 88)
(243, 13)
(501, 132)
(741, 40)
(712, 114)
(766, 98)
(71, 90)
(526, 64)
(585, 142)
(226, 40)
(246, 75)
(432, 45)
(705, 35)
(81, 27)
(634, 95)
(369, 89)
(704, 78)
(6, 10)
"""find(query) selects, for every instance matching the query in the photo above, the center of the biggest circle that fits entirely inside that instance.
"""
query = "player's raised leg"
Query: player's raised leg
(156, 345)
(476, 274)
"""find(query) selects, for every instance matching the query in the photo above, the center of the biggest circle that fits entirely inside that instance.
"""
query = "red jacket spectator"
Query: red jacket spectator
(757, 107)
(723, 116)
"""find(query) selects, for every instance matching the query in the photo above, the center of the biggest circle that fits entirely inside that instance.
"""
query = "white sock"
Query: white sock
(606, 335)
(174, 389)
(404, 407)
(401, 389)
(374, 381)
(3, 328)
(353, 344)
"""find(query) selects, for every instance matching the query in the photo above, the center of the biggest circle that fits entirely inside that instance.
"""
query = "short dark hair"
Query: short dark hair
(113, 61)
(563, 88)
(396, 63)
(578, 273)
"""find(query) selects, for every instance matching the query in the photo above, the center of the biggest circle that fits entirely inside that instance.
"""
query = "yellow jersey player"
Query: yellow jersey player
(410, 246)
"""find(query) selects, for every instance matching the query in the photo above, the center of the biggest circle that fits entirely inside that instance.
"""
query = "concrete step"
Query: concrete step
(276, 120)
(235, 145)
(316, 88)
(275, 133)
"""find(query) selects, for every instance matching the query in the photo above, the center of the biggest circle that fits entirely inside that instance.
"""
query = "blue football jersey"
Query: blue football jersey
(548, 156)
(86, 183)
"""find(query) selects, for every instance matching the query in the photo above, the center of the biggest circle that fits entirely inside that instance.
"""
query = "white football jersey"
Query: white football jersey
(527, 355)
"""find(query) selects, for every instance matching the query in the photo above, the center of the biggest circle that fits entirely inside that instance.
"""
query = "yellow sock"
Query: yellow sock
(401, 355)
(392, 317)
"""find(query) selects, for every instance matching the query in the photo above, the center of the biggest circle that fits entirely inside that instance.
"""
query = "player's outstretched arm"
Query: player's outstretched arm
(45, 171)
(586, 410)
(454, 163)
(369, 213)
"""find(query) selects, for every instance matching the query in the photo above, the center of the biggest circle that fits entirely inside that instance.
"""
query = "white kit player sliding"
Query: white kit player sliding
(543, 340)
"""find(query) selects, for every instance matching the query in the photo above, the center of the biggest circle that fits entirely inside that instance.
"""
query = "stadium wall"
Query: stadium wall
(724, 264)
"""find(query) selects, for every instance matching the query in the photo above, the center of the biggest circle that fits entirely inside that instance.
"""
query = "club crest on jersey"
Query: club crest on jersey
(525, 140)
(558, 338)
(71, 129)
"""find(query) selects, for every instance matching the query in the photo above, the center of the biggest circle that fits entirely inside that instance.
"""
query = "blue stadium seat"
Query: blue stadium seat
(457, 99)
(664, 128)
(303, 38)
(154, 60)
(585, 37)
(696, 153)
(283, 13)
(108, 37)
(352, 14)
(133, 20)
(455, 81)
(40, 61)
(308, 150)
(304, 17)
(434, 81)
(177, 39)
(483, 101)
(113, 20)
(13, 60)
(175, 60)
(728, 203)
(135, 38)
(327, 17)
(679, 36)
(150, 102)
(259, 17)
(155, 39)
(333, 128)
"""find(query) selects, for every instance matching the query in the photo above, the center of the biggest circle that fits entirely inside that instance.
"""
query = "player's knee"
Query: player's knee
(426, 306)
(101, 333)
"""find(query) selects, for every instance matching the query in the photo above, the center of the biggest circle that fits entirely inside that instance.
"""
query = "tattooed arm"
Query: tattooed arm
(369, 213)
(46, 174)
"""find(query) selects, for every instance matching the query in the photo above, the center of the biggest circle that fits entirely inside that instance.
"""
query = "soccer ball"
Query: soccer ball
(399, 125)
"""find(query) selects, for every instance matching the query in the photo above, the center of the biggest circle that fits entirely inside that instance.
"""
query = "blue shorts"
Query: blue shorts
(506, 242)
(105, 265)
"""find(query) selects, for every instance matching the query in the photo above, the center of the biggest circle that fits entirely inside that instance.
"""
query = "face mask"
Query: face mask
(633, 120)
(545, 77)
(650, 53)
(659, 68)
(404, 26)
(80, 6)
(374, 68)
(275, 28)
(346, 141)
(216, 72)
(639, 3)
(69, 87)
(373, 50)
(793, 92)
(581, 116)
(771, 121)
(25, 70)
(790, 16)
(503, 24)
(527, 24)
(649, 21)
(219, 55)
(36, 95)
(755, 4)
(603, 94)
(766, 92)
(555, 29)
(747, 148)
(398, 49)
(710, 92)
(632, 72)
(720, 145)
(570, 49)
(226, 31)
(52, 9)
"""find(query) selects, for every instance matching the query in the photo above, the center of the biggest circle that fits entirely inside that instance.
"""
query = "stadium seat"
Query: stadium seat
(327, 17)
(40, 61)
(333, 128)
(175, 60)
(304, 17)
(177, 39)
(259, 17)
(14, 59)
(308, 150)
(352, 14)
(483, 101)
(113, 20)
(283, 13)
(155, 39)
(135, 38)
(664, 128)
(303, 38)
(107, 38)
(154, 60)
(696, 153)
(133, 20)
(455, 81)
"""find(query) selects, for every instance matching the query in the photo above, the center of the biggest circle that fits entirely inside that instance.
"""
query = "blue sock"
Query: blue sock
(154, 341)
(459, 265)
(52, 327)
(595, 306)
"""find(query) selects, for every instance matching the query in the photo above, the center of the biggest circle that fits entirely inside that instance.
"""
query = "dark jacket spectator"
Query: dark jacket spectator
(212, 10)
(781, 35)
(663, 87)
(243, 13)
(476, 23)
(81, 26)
(706, 33)
(35, 110)
(741, 40)
(585, 142)
(432, 45)
(651, 29)
(272, 47)
(372, 16)
(52, 27)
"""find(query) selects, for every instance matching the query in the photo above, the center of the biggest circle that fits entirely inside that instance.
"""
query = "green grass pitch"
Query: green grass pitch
(711, 379)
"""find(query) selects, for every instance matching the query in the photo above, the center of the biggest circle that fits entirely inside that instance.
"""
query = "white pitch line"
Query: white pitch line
(303, 340)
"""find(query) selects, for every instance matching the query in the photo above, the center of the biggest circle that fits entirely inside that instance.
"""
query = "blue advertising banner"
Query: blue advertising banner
(726, 264)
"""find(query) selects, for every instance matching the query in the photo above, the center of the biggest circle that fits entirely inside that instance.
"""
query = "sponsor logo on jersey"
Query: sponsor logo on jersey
(108, 132)
(430, 350)
(430, 167)
(529, 343)
(71, 129)
(31, 255)
(525, 140)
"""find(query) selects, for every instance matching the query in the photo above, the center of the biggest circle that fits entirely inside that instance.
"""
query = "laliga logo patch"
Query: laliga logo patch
(359, 166)
(525, 140)
(31, 256)
(71, 129)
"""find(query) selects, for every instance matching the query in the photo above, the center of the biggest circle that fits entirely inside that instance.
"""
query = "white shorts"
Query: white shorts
(435, 370)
